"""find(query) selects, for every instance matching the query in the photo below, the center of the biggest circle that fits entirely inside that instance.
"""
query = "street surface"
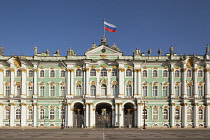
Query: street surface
(103, 134)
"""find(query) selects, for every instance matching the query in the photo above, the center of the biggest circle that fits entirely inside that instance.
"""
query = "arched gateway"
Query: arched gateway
(103, 115)
(128, 115)
(78, 116)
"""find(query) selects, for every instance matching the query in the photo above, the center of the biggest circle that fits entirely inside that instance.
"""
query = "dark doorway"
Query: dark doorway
(128, 115)
(78, 115)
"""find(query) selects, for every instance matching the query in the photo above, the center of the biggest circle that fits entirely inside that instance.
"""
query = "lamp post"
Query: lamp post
(63, 113)
(144, 111)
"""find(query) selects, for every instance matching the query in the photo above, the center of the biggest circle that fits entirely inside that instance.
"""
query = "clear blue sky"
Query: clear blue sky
(143, 24)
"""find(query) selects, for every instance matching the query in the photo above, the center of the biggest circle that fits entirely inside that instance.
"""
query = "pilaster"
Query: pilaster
(172, 81)
(121, 112)
(184, 78)
(139, 114)
(207, 82)
(87, 115)
(109, 82)
(121, 81)
(1, 114)
(195, 118)
(172, 115)
(117, 114)
(23, 114)
(35, 83)
(207, 115)
(12, 86)
(35, 114)
(184, 115)
(195, 81)
(1, 82)
(12, 114)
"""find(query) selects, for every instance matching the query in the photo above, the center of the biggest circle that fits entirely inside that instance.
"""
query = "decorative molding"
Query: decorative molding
(121, 70)
(11, 104)
(78, 67)
(114, 67)
(103, 66)
(22, 104)
(103, 56)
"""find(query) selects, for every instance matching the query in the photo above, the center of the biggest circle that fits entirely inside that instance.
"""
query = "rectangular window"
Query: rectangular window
(30, 91)
(200, 91)
(52, 114)
(41, 90)
(7, 90)
(154, 90)
(165, 90)
(52, 91)
(62, 90)
(144, 90)
(7, 114)
(155, 114)
(177, 91)
(30, 114)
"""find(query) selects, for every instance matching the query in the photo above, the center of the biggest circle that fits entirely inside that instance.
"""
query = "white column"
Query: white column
(84, 115)
(207, 115)
(87, 115)
(172, 115)
(68, 82)
(139, 114)
(12, 114)
(91, 115)
(184, 115)
(184, 77)
(1, 114)
(23, 83)
(139, 82)
(1, 83)
(109, 83)
(97, 82)
(12, 83)
(116, 115)
(195, 112)
(113, 116)
(87, 82)
(84, 83)
(94, 116)
(121, 82)
(72, 82)
(121, 112)
(135, 82)
(195, 82)
(35, 84)
(23, 114)
(35, 114)
(172, 82)
(70, 117)
(207, 82)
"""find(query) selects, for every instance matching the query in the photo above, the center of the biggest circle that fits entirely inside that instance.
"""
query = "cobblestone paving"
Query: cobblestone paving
(102, 134)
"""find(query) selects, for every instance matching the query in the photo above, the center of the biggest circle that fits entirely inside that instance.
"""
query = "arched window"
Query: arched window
(52, 114)
(189, 114)
(114, 90)
(7, 114)
(189, 74)
(78, 90)
(31, 73)
(144, 73)
(189, 90)
(128, 72)
(165, 114)
(8, 73)
(30, 114)
(177, 114)
(103, 72)
(154, 73)
(200, 73)
(93, 90)
(200, 114)
(62, 73)
(52, 73)
(19, 73)
(103, 90)
(92, 72)
(165, 73)
(155, 114)
(128, 90)
(41, 114)
(78, 72)
(42, 73)
(18, 114)
(114, 72)
(177, 73)
(144, 114)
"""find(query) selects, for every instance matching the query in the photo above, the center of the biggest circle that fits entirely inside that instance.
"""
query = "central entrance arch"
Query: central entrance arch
(128, 115)
(103, 115)
(78, 116)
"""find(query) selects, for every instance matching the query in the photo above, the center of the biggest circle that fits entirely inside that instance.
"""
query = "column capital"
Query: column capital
(11, 104)
(195, 104)
(22, 104)
(139, 104)
(34, 104)
(172, 104)
(67, 104)
(207, 104)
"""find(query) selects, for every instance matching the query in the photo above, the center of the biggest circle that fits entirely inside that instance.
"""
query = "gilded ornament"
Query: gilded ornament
(93, 67)
(62, 68)
(195, 70)
(78, 67)
(155, 107)
(12, 70)
(1, 70)
(52, 107)
(17, 62)
(114, 67)
(103, 66)
(172, 69)
(1, 104)
(177, 107)
(41, 106)
(207, 104)
(22, 104)
(189, 62)
(92, 82)
(165, 67)
(129, 67)
(11, 104)
(195, 104)
(128, 83)
(140, 104)
(109, 70)
(6, 107)
(201, 107)
(30, 107)
(114, 83)
(103, 56)
(155, 68)
(98, 70)
(165, 107)
(52, 68)
(184, 104)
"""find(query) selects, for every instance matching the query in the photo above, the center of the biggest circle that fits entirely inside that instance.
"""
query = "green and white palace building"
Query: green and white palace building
(104, 88)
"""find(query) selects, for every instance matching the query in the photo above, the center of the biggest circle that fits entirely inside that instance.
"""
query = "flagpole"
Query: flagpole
(104, 30)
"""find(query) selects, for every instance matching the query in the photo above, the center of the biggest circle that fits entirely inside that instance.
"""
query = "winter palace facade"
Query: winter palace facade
(104, 88)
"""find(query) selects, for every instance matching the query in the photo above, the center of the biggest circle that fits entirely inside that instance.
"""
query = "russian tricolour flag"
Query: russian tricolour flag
(109, 27)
